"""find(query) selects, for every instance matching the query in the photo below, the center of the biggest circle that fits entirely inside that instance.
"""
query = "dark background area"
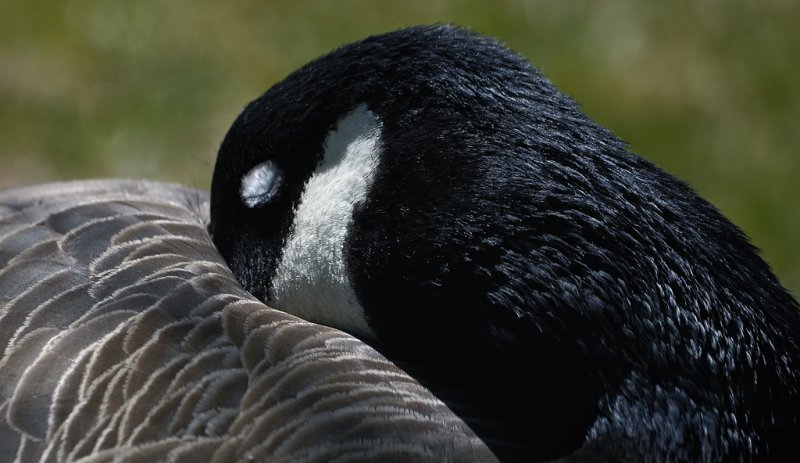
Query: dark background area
(708, 90)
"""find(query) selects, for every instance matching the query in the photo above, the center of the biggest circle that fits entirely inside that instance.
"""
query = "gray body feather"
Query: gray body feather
(125, 337)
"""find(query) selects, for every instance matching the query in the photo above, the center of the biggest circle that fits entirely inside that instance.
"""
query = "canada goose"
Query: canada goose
(564, 297)
(126, 338)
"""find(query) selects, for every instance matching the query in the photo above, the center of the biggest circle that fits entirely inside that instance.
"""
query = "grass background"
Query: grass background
(708, 90)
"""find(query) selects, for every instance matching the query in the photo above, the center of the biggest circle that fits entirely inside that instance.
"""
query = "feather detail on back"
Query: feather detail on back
(124, 336)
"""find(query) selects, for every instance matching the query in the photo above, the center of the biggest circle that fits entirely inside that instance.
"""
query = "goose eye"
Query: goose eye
(261, 184)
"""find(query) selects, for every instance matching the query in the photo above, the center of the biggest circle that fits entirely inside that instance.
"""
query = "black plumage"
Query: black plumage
(563, 295)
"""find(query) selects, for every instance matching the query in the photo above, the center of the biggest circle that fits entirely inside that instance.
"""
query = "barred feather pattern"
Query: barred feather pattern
(125, 337)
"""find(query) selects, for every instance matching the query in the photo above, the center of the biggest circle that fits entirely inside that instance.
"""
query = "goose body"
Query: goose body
(562, 295)
(518, 283)
(125, 337)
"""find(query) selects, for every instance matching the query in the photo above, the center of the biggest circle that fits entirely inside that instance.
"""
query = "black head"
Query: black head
(436, 92)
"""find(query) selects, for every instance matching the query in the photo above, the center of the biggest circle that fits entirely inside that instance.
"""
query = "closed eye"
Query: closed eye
(261, 184)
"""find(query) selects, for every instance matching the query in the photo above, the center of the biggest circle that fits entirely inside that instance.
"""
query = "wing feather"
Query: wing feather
(125, 337)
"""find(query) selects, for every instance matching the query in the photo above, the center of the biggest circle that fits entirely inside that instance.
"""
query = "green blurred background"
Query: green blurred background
(708, 90)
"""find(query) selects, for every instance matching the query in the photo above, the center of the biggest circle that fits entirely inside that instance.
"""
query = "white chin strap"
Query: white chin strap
(311, 280)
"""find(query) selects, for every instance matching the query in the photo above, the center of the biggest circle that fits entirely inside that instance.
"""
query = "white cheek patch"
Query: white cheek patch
(260, 184)
(311, 280)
